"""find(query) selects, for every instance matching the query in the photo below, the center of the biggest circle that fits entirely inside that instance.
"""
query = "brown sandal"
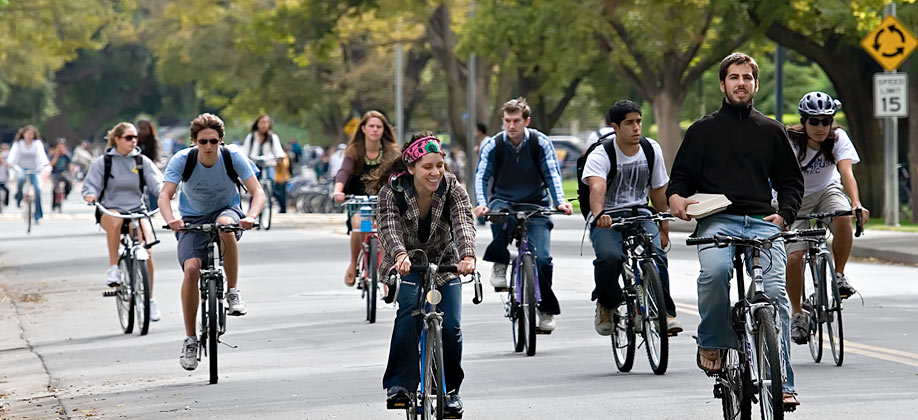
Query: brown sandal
(710, 355)
(790, 401)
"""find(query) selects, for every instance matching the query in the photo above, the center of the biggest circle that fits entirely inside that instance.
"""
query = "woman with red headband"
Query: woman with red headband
(436, 217)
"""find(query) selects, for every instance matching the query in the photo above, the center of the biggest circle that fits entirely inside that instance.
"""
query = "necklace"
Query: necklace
(376, 161)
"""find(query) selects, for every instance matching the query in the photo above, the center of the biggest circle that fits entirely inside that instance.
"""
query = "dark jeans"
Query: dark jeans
(404, 358)
(280, 193)
(540, 245)
(607, 267)
(6, 194)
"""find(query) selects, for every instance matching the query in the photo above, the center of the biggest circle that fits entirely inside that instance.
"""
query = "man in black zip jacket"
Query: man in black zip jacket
(742, 154)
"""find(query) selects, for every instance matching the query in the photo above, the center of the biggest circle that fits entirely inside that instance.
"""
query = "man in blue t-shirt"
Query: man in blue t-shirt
(208, 196)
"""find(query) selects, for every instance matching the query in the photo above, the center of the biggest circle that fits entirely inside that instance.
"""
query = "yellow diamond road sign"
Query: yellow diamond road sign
(890, 43)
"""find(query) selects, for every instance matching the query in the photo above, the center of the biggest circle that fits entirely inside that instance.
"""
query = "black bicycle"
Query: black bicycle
(824, 304)
(523, 292)
(429, 400)
(753, 373)
(267, 184)
(643, 308)
(132, 294)
(212, 284)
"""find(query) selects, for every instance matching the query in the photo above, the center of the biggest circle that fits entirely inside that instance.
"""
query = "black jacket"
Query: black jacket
(736, 151)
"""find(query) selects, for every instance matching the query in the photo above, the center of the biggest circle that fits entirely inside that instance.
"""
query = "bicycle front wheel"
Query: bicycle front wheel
(834, 327)
(768, 359)
(817, 304)
(529, 303)
(267, 211)
(433, 395)
(212, 330)
(27, 214)
(142, 296)
(123, 296)
(623, 335)
(656, 337)
(372, 267)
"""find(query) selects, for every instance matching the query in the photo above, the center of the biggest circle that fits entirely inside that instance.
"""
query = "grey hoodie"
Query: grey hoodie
(123, 191)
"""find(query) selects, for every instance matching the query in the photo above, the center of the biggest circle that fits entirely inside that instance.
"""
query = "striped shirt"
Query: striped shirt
(548, 164)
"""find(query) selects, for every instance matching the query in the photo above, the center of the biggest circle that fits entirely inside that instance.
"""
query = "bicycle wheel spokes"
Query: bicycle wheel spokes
(729, 386)
(141, 296)
(529, 303)
(834, 326)
(815, 330)
(212, 328)
(655, 335)
(123, 297)
(768, 358)
(623, 337)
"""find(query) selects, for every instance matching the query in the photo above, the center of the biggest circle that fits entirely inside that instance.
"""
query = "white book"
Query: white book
(708, 204)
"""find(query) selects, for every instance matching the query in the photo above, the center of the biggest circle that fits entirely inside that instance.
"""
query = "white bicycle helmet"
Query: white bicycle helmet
(818, 103)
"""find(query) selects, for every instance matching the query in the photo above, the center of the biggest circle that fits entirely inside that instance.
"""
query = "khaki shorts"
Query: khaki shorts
(830, 199)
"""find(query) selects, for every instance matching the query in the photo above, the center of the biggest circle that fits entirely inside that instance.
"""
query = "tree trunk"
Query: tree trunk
(442, 42)
(667, 112)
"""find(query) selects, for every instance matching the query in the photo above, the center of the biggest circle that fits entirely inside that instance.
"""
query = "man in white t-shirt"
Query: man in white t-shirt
(633, 179)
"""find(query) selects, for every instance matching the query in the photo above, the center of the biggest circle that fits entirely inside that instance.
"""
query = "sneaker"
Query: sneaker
(154, 311)
(546, 322)
(397, 394)
(673, 326)
(453, 403)
(800, 325)
(189, 357)
(113, 276)
(844, 288)
(602, 320)
(235, 305)
(499, 275)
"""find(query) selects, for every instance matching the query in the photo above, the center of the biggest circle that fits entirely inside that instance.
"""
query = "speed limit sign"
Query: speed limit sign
(890, 94)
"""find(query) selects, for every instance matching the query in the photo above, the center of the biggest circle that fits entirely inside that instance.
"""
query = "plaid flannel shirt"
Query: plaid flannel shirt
(448, 242)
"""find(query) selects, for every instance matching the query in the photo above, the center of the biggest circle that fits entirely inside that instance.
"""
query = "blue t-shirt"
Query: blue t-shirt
(208, 189)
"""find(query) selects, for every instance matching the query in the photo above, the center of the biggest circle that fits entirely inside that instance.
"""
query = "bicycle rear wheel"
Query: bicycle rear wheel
(729, 387)
(372, 267)
(433, 395)
(267, 210)
(656, 338)
(623, 336)
(27, 214)
(142, 296)
(834, 327)
(815, 330)
(123, 296)
(212, 330)
(529, 303)
(768, 360)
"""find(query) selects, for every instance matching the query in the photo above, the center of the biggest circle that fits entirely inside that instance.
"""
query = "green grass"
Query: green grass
(904, 225)
(570, 192)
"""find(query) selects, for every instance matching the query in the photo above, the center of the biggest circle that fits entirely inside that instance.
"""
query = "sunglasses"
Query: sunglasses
(129, 137)
(827, 121)
(205, 141)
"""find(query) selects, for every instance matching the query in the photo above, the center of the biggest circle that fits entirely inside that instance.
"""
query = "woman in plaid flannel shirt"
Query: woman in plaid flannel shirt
(437, 219)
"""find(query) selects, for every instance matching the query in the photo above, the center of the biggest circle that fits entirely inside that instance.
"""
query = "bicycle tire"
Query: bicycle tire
(372, 268)
(267, 210)
(814, 329)
(818, 308)
(141, 292)
(212, 330)
(656, 337)
(623, 335)
(28, 215)
(731, 398)
(432, 394)
(123, 299)
(529, 303)
(768, 354)
(834, 327)
(517, 325)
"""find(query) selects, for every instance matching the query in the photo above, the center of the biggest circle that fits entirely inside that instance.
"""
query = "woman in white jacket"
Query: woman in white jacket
(28, 154)
(263, 143)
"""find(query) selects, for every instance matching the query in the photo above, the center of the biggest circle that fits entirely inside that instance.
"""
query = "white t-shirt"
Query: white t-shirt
(597, 134)
(821, 174)
(629, 188)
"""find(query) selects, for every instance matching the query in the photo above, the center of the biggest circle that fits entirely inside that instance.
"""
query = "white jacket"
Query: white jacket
(250, 147)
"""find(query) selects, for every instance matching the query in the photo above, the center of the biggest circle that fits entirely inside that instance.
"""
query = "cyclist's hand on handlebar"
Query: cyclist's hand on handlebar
(678, 206)
(664, 239)
(338, 197)
(776, 219)
(90, 198)
(604, 221)
(403, 264)
(247, 223)
(176, 224)
(466, 266)
(865, 214)
(567, 208)
(480, 211)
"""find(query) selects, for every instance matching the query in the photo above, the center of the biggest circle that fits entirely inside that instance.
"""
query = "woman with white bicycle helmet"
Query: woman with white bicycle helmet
(825, 154)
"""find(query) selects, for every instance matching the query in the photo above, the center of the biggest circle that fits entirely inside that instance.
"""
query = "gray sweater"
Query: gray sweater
(123, 190)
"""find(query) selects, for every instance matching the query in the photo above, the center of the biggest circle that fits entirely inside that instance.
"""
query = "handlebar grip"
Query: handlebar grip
(700, 240)
(859, 222)
(811, 232)
(440, 269)
(479, 293)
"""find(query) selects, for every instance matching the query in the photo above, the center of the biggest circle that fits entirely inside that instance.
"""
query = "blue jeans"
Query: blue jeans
(715, 330)
(607, 267)
(402, 369)
(539, 231)
(34, 179)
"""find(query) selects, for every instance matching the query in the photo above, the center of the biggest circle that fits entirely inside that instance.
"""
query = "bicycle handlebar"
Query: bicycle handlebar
(859, 222)
(725, 240)
(211, 227)
(420, 268)
(141, 215)
(858, 216)
(622, 221)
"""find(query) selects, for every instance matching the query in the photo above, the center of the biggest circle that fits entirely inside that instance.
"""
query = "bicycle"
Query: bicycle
(824, 305)
(60, 192)
(643, 305)
(428, 402)
(264, 219)
(754, 373)
(523, 293)
(28, 196)
(212, 286)
(369, 258)
(132, 294)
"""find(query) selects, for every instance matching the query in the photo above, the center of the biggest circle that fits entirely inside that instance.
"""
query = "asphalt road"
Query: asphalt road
(304, 351)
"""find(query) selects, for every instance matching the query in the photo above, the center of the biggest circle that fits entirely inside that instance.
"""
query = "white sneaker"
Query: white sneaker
(546, 322)
(499, 275)
(603, 320)
(672, 325)
(234, 303)
(154, 311)
(189, 357)
(113, 276)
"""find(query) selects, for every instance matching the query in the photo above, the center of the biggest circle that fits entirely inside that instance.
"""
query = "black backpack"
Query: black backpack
(227, 163)
(107, 173)
(534, 150)
(583, 189)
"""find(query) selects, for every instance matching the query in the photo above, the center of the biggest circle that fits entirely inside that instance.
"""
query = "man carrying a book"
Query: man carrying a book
(621, 191)
(742, 154)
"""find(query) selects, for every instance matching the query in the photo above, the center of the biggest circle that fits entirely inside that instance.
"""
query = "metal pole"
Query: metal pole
(779, 82)
(399, 95)
(891, 157)
(471, 159)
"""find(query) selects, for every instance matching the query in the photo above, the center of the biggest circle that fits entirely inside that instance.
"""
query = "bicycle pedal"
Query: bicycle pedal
(110, 293)
(452, 415)
(227, 344)
(671, 334)
(398, 405)
(542, 332)
(501, 289)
